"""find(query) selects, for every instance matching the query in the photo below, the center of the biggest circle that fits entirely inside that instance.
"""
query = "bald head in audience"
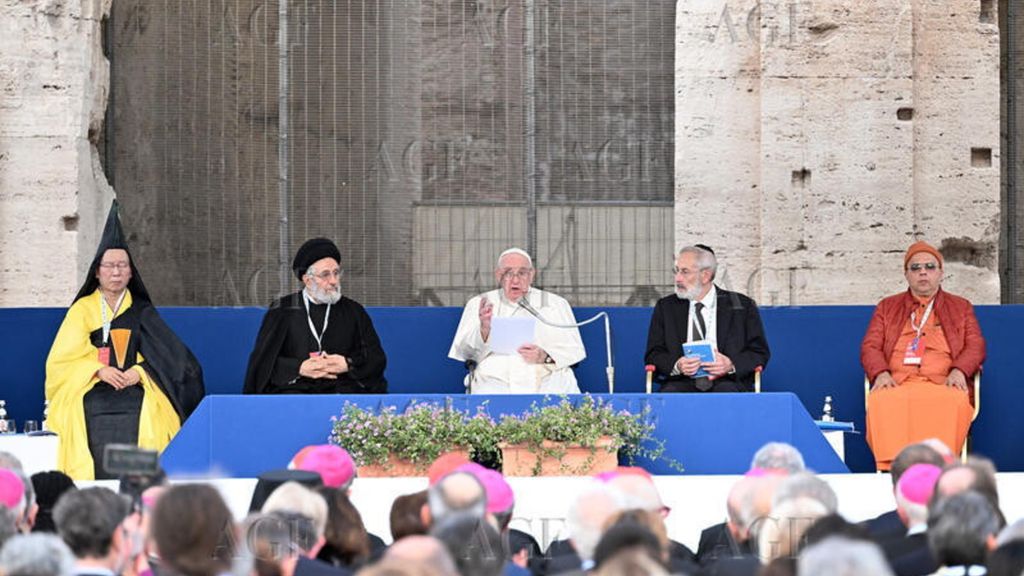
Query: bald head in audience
(423, 551)
(457, 494)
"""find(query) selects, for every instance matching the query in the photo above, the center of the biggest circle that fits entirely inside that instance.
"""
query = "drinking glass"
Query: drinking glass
(31, 426)
(8, 427)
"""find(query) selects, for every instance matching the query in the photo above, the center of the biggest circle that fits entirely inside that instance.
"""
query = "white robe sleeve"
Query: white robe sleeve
(564, 345)
(468, 343)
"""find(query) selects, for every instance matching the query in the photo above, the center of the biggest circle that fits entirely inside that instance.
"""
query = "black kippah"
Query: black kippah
(313, 250)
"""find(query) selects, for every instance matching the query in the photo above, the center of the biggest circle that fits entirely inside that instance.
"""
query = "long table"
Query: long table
(242, 436)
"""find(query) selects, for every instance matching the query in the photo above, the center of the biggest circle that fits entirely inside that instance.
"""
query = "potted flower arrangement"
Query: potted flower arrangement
(581, 438)
(572, 437)
(388, 443)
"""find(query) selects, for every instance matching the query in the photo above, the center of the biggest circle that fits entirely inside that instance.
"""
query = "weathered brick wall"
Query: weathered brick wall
(816, 140)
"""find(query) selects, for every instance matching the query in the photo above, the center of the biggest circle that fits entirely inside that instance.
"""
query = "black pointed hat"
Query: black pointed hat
(113, 238)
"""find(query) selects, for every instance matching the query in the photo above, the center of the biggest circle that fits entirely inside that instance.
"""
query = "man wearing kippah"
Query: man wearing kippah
(543, 365)
(316, 341)
(920, 348)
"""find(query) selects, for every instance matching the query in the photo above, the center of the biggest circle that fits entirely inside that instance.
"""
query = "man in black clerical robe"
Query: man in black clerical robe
(317, 341)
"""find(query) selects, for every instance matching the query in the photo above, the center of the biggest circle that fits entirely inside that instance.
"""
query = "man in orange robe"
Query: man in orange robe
(920, 349)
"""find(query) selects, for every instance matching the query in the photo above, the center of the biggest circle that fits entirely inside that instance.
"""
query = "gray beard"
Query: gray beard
(690, 294)
(323, 296)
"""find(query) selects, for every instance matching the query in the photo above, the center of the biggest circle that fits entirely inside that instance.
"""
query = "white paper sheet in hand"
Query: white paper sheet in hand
(508, 334)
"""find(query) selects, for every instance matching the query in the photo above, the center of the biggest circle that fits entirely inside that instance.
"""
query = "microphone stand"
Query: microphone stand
(610, 368)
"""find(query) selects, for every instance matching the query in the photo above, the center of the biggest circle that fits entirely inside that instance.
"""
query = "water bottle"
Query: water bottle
(826, 412)
(46, 414)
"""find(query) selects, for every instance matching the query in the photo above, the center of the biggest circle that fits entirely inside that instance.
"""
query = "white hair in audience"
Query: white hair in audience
(638, 492)
(806, 485)
(296, 498)
(779, 535)
(778, 456)
(36, 555)
(12, 463)
(8, 525)
(588, 513)
(838, 556)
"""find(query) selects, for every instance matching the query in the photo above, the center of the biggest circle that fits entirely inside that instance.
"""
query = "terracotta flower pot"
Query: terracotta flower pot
(518, 460)
(395, 467)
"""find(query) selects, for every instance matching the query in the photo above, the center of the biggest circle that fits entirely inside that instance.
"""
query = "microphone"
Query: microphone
(609, 368)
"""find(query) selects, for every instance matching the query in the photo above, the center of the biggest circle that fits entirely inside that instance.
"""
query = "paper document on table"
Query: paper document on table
(508, 334)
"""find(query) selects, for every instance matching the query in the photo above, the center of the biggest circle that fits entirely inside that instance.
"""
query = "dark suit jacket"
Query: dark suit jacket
(911, 556)
(716, 543)
(741, 566)
(309, 567)
(740, 337)
(886, 528)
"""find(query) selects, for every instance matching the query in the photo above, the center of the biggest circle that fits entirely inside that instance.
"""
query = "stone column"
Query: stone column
(54, 197)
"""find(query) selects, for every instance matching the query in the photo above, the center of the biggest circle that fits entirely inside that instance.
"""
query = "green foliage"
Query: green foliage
(425, 431)
(419, 434)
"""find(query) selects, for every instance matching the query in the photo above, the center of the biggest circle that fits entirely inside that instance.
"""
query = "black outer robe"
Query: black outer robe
(285, 341)
(170, 363)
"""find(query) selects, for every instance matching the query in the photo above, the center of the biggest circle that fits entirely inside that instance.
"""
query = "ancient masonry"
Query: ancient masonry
(53, 196)
(816, 140)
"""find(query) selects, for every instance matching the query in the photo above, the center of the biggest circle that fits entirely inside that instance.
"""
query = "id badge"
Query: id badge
(915, 350)
(104, 355)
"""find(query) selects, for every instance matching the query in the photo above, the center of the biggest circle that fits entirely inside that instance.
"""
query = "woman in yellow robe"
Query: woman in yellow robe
(116, 372)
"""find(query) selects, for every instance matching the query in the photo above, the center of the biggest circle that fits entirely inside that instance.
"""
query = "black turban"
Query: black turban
(313, 250)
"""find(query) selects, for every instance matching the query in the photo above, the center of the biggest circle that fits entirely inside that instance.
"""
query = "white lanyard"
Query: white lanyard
(924, 319)
(327, 316)
(103, 313)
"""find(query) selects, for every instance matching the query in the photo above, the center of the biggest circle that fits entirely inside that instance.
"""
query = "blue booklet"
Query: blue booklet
(701, 349)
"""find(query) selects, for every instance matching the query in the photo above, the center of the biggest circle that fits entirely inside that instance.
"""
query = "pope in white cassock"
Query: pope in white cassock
(542, 366)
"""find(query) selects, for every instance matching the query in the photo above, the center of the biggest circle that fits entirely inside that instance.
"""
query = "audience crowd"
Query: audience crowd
(781, 520)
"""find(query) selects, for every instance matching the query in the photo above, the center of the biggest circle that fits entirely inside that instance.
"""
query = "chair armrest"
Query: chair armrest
(977, 395)
(867, 392)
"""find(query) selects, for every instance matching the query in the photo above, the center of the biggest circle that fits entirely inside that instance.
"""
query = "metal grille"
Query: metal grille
(424, 136)
(1012, 257)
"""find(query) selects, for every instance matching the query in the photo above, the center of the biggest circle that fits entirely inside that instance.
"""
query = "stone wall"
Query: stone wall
(53, 196)
(816, 140)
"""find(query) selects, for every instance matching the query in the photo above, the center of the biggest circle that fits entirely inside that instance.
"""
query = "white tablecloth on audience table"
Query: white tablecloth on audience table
(37, 453)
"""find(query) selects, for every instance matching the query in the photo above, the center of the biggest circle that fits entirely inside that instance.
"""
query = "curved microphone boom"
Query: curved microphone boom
(610, 368)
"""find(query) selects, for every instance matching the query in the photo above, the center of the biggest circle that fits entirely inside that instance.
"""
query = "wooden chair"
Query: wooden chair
(757, 377)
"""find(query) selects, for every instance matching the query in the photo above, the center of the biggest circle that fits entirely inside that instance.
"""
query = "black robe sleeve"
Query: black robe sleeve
(369, 361)
(171, 364)
(264, 354)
